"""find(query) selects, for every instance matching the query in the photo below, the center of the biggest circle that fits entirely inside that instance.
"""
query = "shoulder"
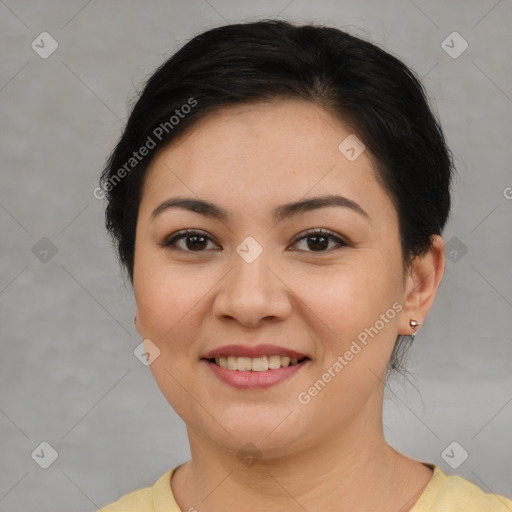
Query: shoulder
(456, 494)
(147, 499)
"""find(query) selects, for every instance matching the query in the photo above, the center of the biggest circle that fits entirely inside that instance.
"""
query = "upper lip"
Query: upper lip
(253, 351)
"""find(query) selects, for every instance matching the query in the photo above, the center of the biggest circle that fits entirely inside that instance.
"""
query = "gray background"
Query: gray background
(68, 373)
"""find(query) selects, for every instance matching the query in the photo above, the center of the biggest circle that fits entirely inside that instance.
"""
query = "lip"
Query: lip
(255, 351)
(250, 380)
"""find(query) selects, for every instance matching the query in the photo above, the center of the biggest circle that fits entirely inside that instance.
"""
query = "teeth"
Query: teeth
(259, 364)
(274, 362)
(244, 364)
(256, 364)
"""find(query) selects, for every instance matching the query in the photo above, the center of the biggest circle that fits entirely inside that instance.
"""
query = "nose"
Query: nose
(253, 292)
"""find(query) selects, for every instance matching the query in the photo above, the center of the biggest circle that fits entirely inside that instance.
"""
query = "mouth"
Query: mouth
(252, 367)
(256, 364)
(255, 373)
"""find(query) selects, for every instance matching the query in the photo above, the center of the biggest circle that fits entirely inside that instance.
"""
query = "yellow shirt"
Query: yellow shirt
(442, 494)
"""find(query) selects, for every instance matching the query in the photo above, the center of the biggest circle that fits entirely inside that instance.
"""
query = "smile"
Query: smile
(255, 364)
(240, 376)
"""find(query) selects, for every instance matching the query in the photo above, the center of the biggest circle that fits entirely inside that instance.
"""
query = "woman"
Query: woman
(277, 199)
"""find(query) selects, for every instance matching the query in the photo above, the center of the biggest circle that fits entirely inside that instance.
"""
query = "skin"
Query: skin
(329, 454)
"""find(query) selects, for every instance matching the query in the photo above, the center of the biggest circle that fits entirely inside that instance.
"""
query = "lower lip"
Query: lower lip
(255, 380)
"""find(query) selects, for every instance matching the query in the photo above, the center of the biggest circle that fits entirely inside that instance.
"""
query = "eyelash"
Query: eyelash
(170, 242)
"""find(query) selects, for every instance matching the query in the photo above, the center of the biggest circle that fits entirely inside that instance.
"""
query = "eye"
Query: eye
(319, 240)
(196, 241)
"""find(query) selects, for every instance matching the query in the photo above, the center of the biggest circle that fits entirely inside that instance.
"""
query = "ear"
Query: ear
(421, 284)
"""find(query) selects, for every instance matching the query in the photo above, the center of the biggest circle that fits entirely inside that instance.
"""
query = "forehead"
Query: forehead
(258, 155)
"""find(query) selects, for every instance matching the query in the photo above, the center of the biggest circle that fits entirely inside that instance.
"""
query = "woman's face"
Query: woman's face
(254, 278)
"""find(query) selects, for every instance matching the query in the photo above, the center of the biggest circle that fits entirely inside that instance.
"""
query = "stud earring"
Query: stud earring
(414, 324)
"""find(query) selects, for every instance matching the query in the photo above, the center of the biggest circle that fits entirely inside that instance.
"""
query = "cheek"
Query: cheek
(160, 295)
(351, 297)
(168, 302)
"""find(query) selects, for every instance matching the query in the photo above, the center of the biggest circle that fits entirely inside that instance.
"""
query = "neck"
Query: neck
(353, 470)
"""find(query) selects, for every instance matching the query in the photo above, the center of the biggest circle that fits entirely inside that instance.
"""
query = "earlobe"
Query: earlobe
(421, 285)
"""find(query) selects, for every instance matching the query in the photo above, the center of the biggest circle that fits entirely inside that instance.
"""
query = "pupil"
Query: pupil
(197, 246)
(323, 245)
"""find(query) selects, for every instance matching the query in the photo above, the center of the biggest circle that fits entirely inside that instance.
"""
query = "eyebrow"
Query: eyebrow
(280, 213)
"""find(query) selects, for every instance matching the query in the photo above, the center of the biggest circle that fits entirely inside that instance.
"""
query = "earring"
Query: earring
(135, 320)
(414, 324)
